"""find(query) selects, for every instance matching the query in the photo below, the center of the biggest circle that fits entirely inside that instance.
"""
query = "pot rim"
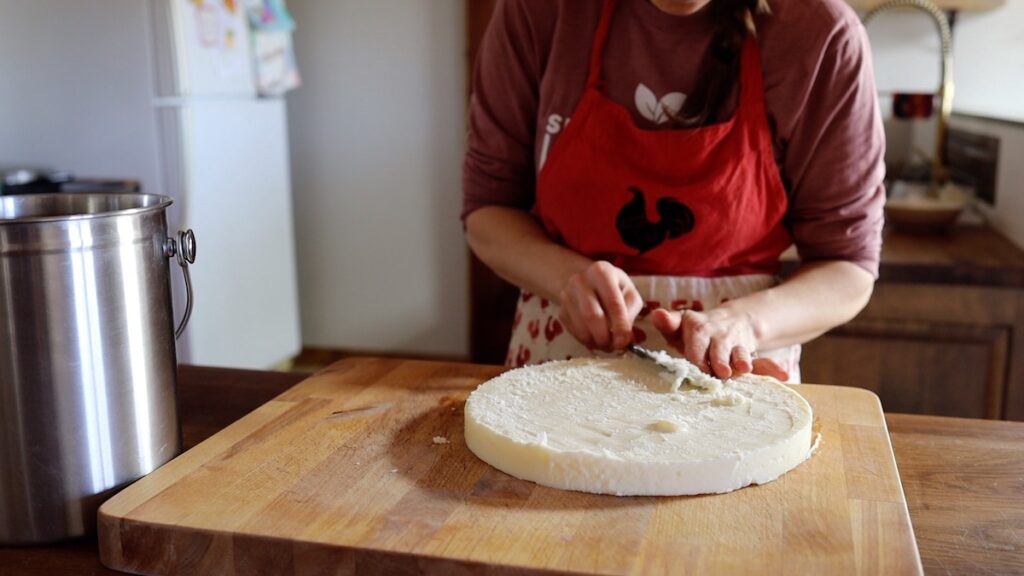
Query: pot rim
(161, 202)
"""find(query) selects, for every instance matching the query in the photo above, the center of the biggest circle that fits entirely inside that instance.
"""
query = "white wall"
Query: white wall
(990, 51)
(377, 134)
(75, 86)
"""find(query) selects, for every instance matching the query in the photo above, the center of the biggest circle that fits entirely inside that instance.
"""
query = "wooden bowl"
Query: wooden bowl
(915, 209)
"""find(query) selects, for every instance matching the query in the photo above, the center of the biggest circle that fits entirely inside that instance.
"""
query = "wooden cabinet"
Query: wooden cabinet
(944, 350)
(943, 333)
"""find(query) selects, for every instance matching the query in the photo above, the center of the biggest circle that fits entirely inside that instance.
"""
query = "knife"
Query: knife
(680, 369)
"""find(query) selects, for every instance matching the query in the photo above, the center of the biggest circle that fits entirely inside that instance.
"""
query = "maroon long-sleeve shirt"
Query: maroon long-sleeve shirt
(819, 91)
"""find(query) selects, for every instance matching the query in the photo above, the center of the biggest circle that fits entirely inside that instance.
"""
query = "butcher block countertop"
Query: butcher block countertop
(969, 254)
(963, 479)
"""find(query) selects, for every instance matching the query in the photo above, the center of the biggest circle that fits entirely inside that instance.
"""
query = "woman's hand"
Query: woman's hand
(720, 342)
(598, 306)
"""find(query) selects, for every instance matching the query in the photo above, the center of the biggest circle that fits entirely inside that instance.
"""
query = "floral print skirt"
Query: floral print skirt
(538, 334)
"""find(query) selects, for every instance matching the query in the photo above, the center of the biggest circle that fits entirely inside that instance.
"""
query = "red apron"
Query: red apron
(697, 202)
(702, 205)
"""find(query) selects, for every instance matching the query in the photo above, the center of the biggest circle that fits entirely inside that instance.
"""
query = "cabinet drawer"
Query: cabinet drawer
(944, 350)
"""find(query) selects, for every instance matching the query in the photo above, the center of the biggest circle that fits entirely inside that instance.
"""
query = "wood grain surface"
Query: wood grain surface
(340, 474)
(964, 481)
(965, 255)
(983, 537)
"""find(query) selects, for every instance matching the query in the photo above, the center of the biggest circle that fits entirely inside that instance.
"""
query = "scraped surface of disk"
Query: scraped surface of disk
(615, 426)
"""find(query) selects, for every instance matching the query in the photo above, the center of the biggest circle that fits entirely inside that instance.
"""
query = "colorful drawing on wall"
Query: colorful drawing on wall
(271, 28)
(270, 15)
(218, 23)
(276, 72)
(208, 24)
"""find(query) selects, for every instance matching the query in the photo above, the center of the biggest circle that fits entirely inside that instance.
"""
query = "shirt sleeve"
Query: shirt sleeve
(834, 160)
(498, 168)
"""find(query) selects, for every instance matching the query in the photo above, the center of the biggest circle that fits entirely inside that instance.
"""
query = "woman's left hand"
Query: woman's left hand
(719, 341)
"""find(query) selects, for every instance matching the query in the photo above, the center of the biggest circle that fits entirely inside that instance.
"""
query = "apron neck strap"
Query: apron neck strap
(750, 78)
(594, 80)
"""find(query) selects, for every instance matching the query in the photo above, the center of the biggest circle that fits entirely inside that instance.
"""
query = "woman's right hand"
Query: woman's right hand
(598, 301)
(598, 306)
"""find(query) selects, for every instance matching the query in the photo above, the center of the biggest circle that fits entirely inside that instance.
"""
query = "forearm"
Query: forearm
(818, 297)
(513, 244)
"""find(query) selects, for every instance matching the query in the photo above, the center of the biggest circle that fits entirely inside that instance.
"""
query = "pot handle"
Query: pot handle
(184, 249)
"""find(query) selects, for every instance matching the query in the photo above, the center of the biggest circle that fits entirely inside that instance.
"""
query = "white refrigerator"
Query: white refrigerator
(224, 159)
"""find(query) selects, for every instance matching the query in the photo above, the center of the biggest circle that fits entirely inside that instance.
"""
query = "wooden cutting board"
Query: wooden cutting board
(341, 474)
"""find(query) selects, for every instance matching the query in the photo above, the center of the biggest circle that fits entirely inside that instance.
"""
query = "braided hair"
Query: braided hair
(734, 21)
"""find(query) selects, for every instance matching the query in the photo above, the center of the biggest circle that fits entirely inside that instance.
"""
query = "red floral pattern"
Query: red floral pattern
(552, 328)
(523, 356)
(533, 327)
(535, 316)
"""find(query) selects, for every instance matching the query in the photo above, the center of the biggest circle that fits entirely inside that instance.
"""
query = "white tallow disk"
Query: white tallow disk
(614, 426)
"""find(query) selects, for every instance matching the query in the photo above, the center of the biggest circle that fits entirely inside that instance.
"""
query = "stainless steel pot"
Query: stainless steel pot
(87, 356)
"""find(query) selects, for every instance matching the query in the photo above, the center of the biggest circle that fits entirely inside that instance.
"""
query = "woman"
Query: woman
(637, 167)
